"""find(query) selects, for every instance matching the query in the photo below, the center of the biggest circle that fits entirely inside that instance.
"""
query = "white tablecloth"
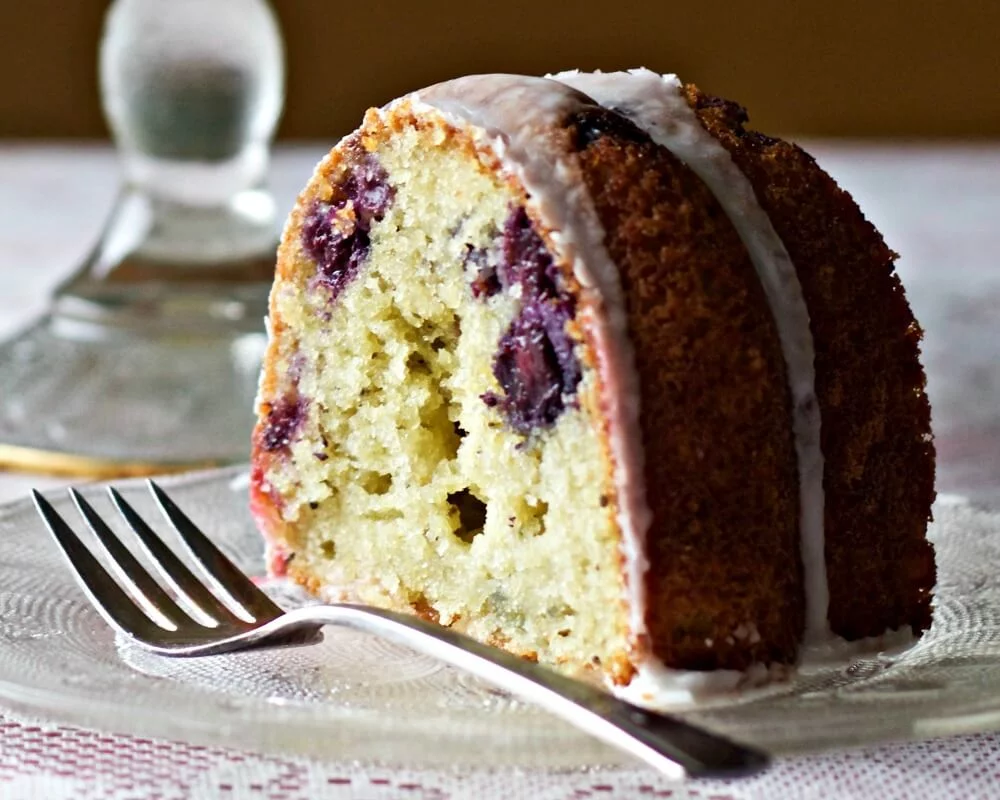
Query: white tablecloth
(938, 206)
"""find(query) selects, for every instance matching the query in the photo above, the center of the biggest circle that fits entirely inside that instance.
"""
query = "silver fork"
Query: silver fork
(671, 745)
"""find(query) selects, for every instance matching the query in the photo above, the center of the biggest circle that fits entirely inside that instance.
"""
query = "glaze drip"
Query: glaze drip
(656, 104)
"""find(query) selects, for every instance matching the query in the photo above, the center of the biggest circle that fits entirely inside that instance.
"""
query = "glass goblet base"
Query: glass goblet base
(148, 358)
(78, 399)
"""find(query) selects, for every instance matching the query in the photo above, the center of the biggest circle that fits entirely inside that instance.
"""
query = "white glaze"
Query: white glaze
(836, 651)
(657, 105)
(671, 690)
(658, 687)
(515, 115)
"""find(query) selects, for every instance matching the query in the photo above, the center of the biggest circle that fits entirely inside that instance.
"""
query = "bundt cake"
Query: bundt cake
(585, 368)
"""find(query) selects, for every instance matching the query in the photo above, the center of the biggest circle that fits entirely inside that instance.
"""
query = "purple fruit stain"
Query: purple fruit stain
(525, 260)
(337, 244)
(593, 123)
(535, 364)
(368, 188)
(336, 235)
(283, 423)
(536, 368)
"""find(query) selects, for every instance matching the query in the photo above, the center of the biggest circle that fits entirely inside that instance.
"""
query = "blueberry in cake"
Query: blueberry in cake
(587, 369)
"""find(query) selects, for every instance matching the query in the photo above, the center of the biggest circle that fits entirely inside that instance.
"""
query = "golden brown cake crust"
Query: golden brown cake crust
(725, 578)
(876, 435)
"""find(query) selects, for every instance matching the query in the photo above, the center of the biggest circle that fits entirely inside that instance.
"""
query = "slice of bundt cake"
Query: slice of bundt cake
(586, 369)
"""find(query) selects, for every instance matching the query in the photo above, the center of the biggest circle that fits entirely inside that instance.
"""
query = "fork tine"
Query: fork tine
(111, 601)
(214, 561)
(172, 568)
(130, 569)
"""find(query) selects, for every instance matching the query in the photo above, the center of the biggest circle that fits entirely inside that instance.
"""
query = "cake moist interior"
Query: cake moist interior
(448, 391)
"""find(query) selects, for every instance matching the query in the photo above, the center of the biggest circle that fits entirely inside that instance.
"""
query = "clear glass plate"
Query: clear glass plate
(356, 697)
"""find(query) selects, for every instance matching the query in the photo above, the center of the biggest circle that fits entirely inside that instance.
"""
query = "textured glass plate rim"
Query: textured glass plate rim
(297, 730)
(370, 736)
(299, 735)
(170, 386)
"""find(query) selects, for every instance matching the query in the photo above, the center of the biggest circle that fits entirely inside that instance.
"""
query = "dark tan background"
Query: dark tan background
(848, 68)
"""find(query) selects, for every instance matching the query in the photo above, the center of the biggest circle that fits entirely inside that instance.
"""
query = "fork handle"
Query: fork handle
(668, 743)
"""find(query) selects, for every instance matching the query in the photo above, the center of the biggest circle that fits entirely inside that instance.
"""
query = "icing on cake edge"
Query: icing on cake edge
(657, 105)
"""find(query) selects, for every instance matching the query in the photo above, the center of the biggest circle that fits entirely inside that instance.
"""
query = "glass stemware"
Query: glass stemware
(148, 357)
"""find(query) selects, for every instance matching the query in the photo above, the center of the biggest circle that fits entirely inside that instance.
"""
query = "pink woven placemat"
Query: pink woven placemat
(58, 762)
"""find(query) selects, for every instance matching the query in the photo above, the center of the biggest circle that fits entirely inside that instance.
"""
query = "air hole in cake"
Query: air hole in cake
(415, 362)
(540, 510)
(436, 415)
(471, 514)
(376, 483)
(531, 520)
(329, 549)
